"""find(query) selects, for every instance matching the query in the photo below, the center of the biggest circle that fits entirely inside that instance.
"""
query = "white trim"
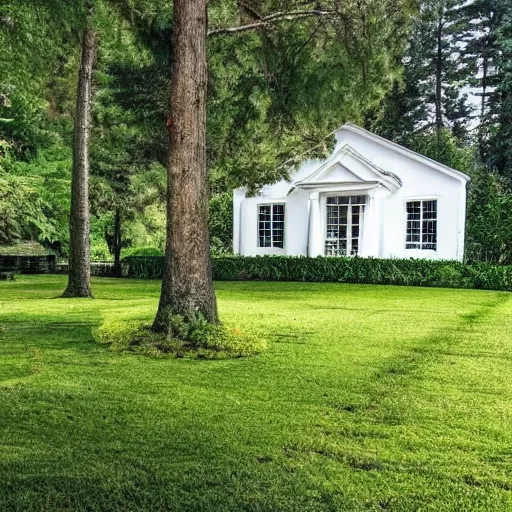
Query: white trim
(349, 226)
(420, 251)
(388, 180)
(404, 151)
(271, 248)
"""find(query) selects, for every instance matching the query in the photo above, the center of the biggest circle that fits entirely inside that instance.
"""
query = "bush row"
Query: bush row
(98, 269)
(404, 272)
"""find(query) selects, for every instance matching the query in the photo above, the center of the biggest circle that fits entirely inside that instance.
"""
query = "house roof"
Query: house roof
(350, 160)
(403, 150)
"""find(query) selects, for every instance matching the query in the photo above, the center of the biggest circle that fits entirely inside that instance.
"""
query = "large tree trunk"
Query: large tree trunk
(187, 286)
(79, 223)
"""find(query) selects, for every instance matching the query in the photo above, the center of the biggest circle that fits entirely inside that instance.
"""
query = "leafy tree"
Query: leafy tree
(278, 90)
(187, 287)
(489, 225)
(125, 178)
(36, 43)
(22, 207)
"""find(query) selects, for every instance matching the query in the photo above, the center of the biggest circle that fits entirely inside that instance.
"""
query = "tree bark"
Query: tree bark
(187, 286)
(79, 221)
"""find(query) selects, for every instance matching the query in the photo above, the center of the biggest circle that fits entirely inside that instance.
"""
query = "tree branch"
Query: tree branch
(250, 9)
(276, 17)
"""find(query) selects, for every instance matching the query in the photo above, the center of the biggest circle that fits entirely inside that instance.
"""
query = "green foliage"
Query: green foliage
(221, 223)
(49, 178)
(438, 68)
(24, 249)
(23, 211)
(500, 115)
(100, 251)
(403, 272)
(276, 93)
(36, 44)
(127, 182)
(193, 337)
(443, 147)
(145, 267)
(489, 218)
(142, 251)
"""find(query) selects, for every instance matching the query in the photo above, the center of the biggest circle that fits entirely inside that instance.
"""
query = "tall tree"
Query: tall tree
(187, 286)
(500, 150)
(79, 222)
(431, 97)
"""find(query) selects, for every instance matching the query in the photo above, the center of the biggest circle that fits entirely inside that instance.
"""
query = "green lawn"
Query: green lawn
(368, 398)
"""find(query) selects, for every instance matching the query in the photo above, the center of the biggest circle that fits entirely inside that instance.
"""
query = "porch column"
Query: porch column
(372, 227)
(315, 239)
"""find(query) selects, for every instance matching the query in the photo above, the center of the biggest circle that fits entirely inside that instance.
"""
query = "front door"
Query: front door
(344, 225)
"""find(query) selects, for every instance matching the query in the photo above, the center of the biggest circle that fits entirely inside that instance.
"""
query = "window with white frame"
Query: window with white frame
(344, 225)
(271, 225)
(421, 228)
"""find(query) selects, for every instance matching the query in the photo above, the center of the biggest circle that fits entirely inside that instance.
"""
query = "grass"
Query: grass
(368, 398)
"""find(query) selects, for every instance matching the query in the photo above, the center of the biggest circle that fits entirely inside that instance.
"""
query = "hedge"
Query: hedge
(98, 269)
(404, 272)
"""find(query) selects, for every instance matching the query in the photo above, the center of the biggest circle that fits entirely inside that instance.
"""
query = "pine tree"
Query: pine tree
(79, 219)
(187, 285)
(480, 50)
(500, 115)
(430, 97)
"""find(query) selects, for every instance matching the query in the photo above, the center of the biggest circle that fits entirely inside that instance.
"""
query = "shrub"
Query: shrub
(141, 251)
(145, 267)
(100, 252)
(404, 272)
(221, 223)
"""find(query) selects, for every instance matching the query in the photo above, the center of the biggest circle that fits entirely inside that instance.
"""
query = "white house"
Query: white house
(371, 197)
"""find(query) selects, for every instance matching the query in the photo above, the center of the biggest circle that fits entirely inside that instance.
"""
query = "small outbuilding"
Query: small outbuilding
(370, 197)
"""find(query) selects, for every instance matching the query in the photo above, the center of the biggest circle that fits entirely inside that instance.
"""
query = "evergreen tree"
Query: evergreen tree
(430, 96)
(479, 47)
(79, 274)
(500, 150)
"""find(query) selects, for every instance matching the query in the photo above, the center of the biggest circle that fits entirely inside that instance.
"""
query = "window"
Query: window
(421, 229)
(344, 225)
(271, 225)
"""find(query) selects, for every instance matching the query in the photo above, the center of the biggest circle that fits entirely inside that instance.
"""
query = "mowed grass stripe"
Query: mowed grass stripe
(369, 398)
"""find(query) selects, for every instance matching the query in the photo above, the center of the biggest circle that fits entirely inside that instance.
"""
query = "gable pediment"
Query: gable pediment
(337, 172)
(347, 166)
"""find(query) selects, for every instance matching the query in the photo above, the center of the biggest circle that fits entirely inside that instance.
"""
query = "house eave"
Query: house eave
(387, 179)
(454, 173)
(348, 185)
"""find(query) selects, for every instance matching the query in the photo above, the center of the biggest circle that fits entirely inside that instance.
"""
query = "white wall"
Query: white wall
(419, 181)
(295, 229)
(385, 219)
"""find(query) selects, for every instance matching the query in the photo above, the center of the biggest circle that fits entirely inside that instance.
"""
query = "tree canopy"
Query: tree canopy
(282, 75)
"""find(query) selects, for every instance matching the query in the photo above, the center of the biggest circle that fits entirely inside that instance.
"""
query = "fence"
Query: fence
(28, 264)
